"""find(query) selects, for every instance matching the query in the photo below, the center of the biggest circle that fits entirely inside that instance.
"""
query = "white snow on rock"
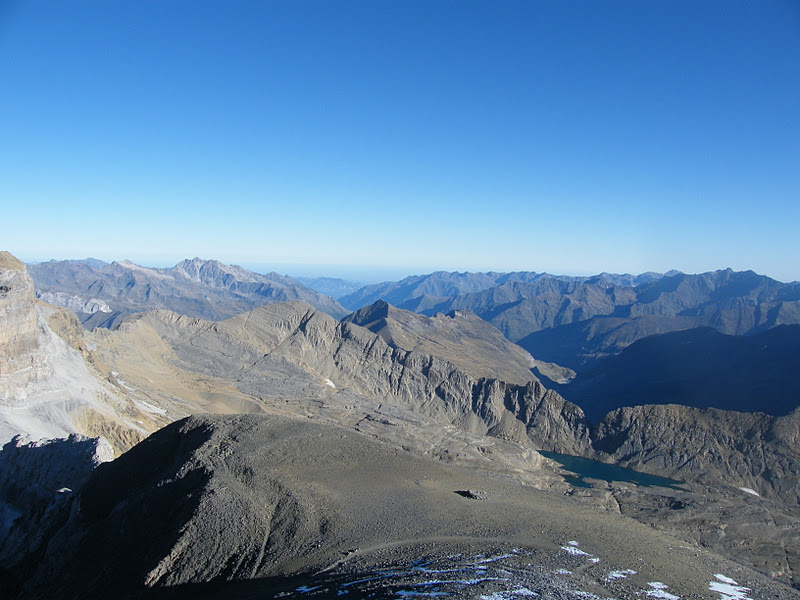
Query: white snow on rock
(728, 589)
(620, 574)
(330, 383)
(750, 491)
(147, 407)
(660, 591)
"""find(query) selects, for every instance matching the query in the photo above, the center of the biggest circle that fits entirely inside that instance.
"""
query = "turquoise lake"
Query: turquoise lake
(591, 469)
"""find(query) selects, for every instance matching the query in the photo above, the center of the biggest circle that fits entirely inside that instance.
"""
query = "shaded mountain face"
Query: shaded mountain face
(229, 506)
(701, 368)
(753, 451)
(201, 288)
(460, 337)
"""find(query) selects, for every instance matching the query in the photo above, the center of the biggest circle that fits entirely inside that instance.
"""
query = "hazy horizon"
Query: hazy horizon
(365, 274)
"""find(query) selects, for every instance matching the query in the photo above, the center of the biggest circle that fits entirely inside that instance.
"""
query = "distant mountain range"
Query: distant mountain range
(102, 293)
(331, 286)
(573, 321)
(428, 290)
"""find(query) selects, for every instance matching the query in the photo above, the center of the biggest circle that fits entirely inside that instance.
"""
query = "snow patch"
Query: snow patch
(750, 491)
(620, 574)
(660, 591)
(147, 407)
(574, 551)
(728, 589)
(330, 383)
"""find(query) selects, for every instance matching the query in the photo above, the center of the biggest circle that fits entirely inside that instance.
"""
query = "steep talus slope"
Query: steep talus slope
(461, 337)
(196, 287)
(246, 498)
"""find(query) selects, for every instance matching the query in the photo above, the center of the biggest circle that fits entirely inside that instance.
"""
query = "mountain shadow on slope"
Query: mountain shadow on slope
(699, 368)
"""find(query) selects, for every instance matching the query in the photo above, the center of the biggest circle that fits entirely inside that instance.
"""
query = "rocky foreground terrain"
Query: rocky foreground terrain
(356, 464)
(263, 506)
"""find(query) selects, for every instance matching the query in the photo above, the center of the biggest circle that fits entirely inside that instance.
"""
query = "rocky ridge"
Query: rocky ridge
(460, 337)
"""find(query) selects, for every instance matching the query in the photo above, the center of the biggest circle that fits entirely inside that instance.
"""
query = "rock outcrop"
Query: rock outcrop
(293, 338)
(21, 358)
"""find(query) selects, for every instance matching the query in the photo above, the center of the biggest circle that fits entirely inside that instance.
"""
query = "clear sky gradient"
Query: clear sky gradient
(561, 136)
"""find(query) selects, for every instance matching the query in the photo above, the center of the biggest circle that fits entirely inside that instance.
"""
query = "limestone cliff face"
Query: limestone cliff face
(47, 387)
(21, 357)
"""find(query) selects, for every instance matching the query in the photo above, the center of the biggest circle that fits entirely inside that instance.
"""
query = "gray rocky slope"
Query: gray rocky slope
(462, 338)
(233, 506)
(202, 288)
(287, 348)
(290, 356)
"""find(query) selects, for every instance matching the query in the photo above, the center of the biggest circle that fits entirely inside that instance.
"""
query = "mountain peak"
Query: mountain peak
(9, 261)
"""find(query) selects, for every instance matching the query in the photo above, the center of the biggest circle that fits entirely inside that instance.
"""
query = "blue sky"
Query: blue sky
(411, 136)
